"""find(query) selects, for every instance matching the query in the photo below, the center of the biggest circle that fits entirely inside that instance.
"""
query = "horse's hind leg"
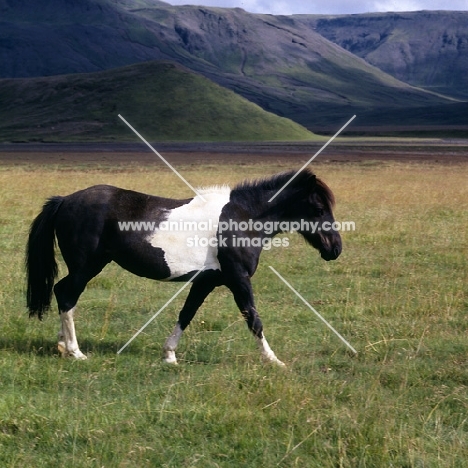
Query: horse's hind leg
(198, 293)
(67, 291)
(68, 344)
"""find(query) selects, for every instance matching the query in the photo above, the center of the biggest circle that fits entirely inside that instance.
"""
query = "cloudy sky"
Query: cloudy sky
(289, 7)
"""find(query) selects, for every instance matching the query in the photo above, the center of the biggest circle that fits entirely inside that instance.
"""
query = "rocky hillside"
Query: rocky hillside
(282, 64)
(428, 49)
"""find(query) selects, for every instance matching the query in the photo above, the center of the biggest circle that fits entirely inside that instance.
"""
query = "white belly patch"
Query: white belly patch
(188, 235)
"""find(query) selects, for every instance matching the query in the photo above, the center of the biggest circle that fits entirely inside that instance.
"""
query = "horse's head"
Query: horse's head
(314, 211)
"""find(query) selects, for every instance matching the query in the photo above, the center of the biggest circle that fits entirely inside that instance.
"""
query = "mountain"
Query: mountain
(163, 101)
(428, 49)
(53, 37)
(280, 63)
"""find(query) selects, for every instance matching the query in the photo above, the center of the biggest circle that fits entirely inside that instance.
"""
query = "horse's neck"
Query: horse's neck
(270, 211)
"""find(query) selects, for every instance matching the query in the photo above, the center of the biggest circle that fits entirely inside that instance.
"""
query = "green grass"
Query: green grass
(398, 294)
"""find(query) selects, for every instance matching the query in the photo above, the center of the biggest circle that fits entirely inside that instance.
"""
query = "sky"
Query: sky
(290, 7)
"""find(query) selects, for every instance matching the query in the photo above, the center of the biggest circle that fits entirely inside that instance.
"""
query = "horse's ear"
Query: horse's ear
(312, 182)
(312, 185)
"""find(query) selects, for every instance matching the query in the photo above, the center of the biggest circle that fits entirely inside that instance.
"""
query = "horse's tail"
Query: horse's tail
(41, 266)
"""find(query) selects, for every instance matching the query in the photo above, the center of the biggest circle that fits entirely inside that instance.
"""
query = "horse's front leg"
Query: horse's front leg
(170, 345)
(200, 289)
(243, 295)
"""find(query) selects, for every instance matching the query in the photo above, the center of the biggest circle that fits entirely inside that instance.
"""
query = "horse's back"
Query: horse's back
(98, 202)
(84, 213)
(104, 223)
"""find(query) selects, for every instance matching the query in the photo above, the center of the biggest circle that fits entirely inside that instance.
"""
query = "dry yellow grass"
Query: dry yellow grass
(398, 293)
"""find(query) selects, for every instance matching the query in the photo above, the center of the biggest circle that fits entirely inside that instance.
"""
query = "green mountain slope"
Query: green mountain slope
(279, 63)
(428, 49)
(163, 101)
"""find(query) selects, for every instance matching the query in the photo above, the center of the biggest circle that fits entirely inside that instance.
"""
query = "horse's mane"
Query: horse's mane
(213, 189)
(302, 181)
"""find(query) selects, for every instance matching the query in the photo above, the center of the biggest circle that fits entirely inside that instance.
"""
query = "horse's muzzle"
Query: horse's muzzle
(331, 254)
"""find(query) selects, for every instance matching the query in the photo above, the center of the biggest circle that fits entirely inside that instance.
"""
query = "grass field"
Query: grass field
(398, 293)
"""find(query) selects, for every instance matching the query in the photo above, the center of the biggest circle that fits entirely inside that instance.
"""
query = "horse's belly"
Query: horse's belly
(187, 254)
(188, 234)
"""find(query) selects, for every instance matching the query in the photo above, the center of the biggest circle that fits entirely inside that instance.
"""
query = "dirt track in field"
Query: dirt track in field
(424, 151)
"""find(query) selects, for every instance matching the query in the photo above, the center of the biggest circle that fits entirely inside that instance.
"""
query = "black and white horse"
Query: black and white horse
(221, 231)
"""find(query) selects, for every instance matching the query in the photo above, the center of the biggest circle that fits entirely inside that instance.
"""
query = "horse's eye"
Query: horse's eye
(320, 212)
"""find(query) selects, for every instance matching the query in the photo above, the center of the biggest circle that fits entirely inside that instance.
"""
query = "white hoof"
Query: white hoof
(170, 358)
(272, 359)
(77, 354)
(267, 353)
(278, 362)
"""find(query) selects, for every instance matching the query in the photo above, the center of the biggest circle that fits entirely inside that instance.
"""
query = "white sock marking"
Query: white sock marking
(171, 345)
(267, 352)
(68, 344)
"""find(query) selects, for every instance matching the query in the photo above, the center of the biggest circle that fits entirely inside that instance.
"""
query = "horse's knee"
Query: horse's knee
(253, 322)
(66, 298)
(185, 318)
(69, 289)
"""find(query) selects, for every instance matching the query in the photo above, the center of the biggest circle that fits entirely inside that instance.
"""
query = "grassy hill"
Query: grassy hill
(280, 63)
(164, 101)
